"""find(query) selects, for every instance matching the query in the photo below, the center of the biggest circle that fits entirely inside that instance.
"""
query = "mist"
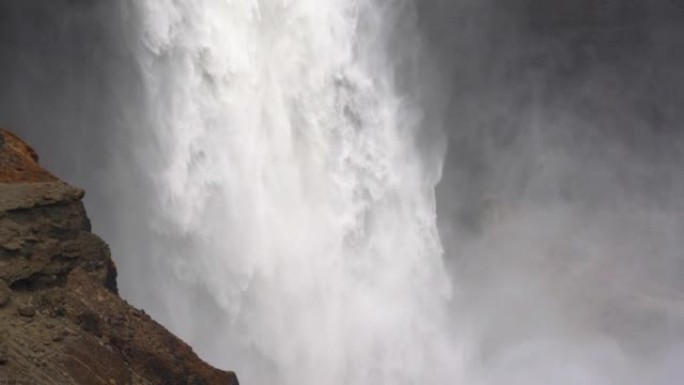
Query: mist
(548, 132)
(560, 205)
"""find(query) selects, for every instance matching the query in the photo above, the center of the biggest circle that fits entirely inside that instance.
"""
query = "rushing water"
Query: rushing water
(265, 172)
(293, 181)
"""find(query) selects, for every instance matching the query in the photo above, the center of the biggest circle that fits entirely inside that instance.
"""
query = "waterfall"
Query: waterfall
(291, 193)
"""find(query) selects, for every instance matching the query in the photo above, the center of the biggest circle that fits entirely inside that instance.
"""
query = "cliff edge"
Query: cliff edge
(61, 319)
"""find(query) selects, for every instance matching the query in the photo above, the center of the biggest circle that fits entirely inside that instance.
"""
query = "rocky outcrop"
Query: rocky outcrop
(61, 319)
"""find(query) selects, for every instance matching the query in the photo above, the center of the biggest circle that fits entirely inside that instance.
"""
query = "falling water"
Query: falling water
(292, 193)
(264, 173)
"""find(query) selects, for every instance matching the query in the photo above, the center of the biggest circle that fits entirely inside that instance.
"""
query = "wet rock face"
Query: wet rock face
(61, 320)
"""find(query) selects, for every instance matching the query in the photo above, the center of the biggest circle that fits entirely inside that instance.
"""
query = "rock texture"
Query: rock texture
(61, 320)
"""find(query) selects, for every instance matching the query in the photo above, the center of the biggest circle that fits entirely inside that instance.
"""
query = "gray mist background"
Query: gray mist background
(562, 201)
(561, 206)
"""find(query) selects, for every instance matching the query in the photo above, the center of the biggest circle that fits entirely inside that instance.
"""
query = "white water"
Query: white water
(292, 195)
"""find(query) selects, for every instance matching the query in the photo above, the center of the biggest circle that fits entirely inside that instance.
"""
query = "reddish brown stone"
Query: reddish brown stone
(78, 330)
(19, 161)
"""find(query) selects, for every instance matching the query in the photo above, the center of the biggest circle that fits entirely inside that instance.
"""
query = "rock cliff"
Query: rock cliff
(61, 319)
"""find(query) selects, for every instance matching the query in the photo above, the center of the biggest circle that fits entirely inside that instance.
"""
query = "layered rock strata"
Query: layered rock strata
(61, 319)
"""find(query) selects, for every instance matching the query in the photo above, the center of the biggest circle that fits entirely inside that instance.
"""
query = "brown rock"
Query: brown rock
(5, 293)
(26, 311)
(88, 362)
(19, 161)
(3, 354)
(77, 330)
